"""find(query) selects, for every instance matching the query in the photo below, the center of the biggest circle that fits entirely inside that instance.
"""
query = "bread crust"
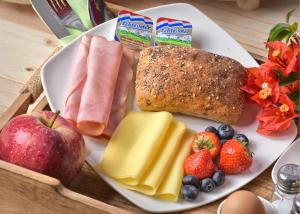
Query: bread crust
(190, 81)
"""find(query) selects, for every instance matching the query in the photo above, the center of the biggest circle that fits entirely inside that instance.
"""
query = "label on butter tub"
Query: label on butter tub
(134, 30)
(173, 32)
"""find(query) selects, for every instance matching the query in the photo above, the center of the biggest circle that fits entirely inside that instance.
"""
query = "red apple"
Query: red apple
(30, 141)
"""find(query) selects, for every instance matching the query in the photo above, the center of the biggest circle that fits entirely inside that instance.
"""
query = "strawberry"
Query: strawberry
(235, 157)
(199, 164)
(208, 140)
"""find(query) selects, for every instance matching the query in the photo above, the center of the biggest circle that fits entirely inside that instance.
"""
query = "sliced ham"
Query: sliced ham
(121, 91)
(77, 80)
(99, 86)
(103, 67)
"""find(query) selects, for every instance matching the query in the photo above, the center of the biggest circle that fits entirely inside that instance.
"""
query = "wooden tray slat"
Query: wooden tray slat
(35, 192)
(19, 106)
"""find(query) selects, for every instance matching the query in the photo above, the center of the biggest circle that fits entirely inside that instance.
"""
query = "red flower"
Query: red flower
(263, 84)
(277, 118)
(285, 58)
(250, 87)
(294, 64)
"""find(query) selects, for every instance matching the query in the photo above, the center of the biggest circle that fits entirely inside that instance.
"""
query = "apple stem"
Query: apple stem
(54, 118)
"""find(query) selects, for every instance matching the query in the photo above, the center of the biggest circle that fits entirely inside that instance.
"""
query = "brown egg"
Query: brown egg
(244, 202)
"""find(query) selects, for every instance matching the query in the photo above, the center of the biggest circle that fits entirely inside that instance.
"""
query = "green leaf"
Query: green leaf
(288, 15)
(294, 27)
(287, 39)
(283, 30)
(279, 32)
(295, 96)
(297, 108)
(294, 76)
(284, 35)
(278, 72)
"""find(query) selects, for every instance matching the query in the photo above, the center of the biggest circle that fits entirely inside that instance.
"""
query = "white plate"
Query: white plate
(270, 209)
(208, 36)
(290, 155)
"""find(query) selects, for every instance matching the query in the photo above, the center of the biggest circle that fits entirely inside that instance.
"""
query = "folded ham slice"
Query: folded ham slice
(77, 80)
(98, 93)
(100, 82)
(121, 91)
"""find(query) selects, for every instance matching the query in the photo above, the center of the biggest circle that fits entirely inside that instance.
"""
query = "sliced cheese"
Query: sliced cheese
(147, 153)
(171, 185)
(163, 160)
(134, 146)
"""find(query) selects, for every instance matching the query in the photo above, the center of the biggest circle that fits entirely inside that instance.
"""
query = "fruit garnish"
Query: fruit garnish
(212, 129)
(218, 177)
(206, 140)
(189, 192)
(235, 157)
(225, 131)
(242, 138)
(207, 185)
(199, 164)
(222, 141)
(191, 180)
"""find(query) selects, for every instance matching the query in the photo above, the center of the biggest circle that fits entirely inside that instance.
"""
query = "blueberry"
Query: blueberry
(212, 129)
(191, 180)
(222, 141)
(189, 192)
(218, 178)
(242, 138)
(225, 131)
(207, 185)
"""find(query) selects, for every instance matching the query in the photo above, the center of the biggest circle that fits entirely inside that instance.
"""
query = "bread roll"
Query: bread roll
(190, 81)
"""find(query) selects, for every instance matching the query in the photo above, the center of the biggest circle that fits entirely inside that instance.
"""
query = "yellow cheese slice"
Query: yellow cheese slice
(134, 146)
(163, 160)
(171, 185)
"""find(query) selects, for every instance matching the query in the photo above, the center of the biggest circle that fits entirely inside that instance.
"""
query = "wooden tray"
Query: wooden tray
(23, 190)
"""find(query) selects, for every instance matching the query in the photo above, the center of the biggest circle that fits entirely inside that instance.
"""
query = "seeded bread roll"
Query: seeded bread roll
(190, 81)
